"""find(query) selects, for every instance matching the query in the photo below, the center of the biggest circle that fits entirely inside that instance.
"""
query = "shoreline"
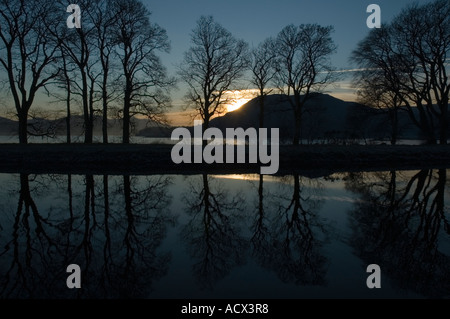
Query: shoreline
(155, 159)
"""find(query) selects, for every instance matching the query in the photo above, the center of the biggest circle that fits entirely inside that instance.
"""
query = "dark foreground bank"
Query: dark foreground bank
(139, 159)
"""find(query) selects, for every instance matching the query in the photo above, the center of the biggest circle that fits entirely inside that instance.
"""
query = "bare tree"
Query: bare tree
(104, 20)
(145, 79)
(263, 71)
(27, 54)
(79, 45)
(212, 66)
(422, 40)
(304, 66)
(379, 80)
(411, 53)
(66, 83)
(375, 95)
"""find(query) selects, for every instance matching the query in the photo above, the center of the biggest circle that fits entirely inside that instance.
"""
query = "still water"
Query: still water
(231, 236)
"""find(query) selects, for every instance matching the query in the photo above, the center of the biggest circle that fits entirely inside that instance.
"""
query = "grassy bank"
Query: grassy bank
(139, 159)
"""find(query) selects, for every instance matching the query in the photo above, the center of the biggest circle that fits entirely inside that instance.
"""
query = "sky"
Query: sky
(255, 20)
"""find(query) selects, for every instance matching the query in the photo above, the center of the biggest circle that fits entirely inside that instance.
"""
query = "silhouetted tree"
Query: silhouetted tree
(303, 65)
(66, 84)
(105, 20)
(263, 71)
(27, 54)
(380, 88)
(411, 54)
(211, 67)
(79, 47)
(145, 82)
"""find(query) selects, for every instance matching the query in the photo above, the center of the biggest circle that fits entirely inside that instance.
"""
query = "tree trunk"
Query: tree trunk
(425, 126)
(126, 124)
(297, 128)
(298, 106)
(91, 109)
(88, 134)
(105, 108)
(127, 103)
(444, 122)
(261, 109)
(205, 126)
(68, 98)
(105, 122)
(126, 116)
(23, 124)
(394, 124)
(68, 118)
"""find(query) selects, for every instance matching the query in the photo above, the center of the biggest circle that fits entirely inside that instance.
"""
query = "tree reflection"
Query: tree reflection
(212, 233)
(298, 235)
(261, 238)
(116, 247)
(143, 229)
(133, 227)
(399, 224)
(30, 251)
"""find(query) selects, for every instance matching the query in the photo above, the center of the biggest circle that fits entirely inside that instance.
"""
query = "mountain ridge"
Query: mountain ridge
(324, 118)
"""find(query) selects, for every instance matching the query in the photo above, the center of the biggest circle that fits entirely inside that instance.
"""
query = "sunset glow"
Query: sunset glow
(237, 104)
(238, 98)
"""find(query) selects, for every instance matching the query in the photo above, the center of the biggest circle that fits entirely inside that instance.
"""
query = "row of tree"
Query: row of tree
(113, 58)
(404, 66)
(297, 62)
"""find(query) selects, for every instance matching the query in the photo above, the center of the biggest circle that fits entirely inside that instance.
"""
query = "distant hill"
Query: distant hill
(325, 118)
(8, 127)
(59, 126)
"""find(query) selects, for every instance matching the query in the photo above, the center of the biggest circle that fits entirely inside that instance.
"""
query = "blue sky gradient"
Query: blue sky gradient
(255, 20)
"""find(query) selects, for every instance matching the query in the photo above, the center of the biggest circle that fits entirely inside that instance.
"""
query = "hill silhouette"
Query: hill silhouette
(58, 126)
(325, 118)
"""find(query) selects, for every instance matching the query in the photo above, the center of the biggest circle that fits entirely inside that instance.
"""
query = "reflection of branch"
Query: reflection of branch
(144, 230)
(260, 239)
(211, 233)
(294, 250)
(24, 280)
(38, 269)
(107, 253)
(403, 234)
(298, 230)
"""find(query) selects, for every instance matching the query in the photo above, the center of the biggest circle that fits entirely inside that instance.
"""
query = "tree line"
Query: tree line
(113, 59)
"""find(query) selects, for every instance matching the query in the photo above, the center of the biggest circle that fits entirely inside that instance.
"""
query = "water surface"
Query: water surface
(230, 236)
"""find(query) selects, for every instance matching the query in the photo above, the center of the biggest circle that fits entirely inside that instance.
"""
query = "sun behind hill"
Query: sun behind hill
(237, 104)
(238, 98)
